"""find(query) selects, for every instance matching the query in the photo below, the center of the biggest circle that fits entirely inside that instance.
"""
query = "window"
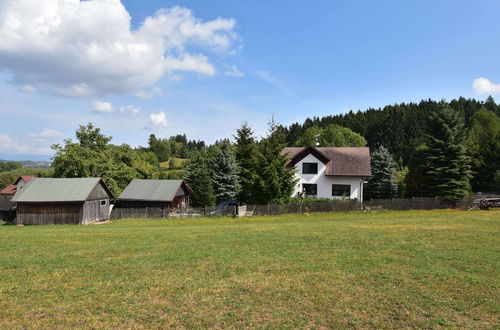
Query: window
(103, 202)
(309, 168)
(310, 189)
(341, 190)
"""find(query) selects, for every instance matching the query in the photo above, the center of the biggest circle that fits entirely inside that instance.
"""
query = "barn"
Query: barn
(63, 201)
(155, 194)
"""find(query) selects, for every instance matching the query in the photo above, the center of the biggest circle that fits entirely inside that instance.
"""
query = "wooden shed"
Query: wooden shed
(63, 201)
(160, 194)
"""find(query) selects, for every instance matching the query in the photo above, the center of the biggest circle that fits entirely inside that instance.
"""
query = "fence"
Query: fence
(157, 212)
(416, 203)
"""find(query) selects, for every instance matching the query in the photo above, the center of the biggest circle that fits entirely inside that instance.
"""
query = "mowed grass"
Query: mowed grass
(378, 269)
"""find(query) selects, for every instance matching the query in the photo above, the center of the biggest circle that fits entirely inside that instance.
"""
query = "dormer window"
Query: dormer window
(309, 168)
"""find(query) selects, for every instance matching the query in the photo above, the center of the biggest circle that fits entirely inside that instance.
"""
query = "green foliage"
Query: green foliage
(93, 156)
(8, 177)
(246, 156)
(176, 163)
(331, 135)
(483, 145)
(275, 182)
(9, 166)
(160, 147)
(197, 175)
(225, 174)
(445, 166)
(383, 183)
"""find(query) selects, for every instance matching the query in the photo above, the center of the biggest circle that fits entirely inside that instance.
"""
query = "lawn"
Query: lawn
(379, 269)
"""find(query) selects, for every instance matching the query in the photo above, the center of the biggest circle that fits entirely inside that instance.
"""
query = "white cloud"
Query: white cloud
(132, 109)
(157, 120)
(24, 145)
(105, 107)
(28, 89)
(46, 133)
(234, 72)
(485, 86)
(148, 93)
(268, 77)
(88, 48)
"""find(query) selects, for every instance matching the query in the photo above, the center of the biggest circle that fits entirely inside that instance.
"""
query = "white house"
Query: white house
(330, 172)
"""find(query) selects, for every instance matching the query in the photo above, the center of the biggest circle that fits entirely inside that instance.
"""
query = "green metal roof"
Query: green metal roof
(57, 190)
(151, 190)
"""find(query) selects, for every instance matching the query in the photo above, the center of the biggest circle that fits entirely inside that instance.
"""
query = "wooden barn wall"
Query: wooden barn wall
(140, 209)
(93, 211)
(98, 193)
(49, 213)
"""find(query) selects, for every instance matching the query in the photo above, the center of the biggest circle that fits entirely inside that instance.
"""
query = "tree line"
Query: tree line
(432, 148)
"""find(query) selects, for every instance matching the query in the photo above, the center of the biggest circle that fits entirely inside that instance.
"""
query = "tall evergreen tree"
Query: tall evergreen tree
(225, 174)
(445, 165)
(483, 145)
(275, 182)
(383, 183)
(198, 177)
(246, 158)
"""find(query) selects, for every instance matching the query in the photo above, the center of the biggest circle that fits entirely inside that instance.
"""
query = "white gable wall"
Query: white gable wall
(324, 182)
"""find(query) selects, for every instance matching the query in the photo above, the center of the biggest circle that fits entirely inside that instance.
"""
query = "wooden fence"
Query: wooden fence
(416, 203)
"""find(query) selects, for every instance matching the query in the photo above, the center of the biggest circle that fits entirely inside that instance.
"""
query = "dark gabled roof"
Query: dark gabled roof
(341, 161)
(153, 190)
(6, 204)
(12, 188)
(58, 190)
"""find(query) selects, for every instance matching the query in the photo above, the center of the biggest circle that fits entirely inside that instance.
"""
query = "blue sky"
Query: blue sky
(204, 67)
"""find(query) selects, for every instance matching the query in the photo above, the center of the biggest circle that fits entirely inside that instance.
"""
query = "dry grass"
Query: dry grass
(380, 269)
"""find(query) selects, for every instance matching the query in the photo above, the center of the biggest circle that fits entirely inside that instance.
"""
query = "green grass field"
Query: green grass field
(381, 269)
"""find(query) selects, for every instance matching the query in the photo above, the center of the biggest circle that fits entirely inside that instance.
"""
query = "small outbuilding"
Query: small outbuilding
(63, 201)
(161, 194)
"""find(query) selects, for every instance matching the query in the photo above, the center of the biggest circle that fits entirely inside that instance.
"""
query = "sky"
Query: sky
(201, 68)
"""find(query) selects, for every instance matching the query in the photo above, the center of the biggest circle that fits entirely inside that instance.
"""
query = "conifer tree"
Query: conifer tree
(198, 177)
(246, 158)
(445, 165)
(483, 145)
(275, 182)
(382, 184)
(225, 174)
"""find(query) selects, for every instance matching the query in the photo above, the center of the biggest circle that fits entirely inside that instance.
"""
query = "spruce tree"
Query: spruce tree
(483, 145)
(198, 177)
(382, 184)
(275, 182)
(246, 154)
(445, 165)
(225, 174)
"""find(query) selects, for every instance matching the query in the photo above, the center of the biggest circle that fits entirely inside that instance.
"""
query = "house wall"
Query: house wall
(325, 182)
(49, 213)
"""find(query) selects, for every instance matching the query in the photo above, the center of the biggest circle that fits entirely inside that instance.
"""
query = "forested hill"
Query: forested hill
(399, 127)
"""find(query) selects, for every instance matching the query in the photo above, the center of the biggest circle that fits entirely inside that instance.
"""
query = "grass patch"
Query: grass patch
(378, 269)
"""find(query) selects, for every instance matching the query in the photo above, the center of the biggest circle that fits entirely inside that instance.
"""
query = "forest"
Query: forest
(432, 148)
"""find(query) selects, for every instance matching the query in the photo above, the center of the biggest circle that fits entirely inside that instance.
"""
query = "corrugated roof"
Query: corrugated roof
(57, 190)
(9, 190)
(151, 190)
(344, 161)
(12, 188)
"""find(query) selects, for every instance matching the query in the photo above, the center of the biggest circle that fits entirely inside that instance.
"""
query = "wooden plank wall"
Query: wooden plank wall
(93, 211)
(49, 213)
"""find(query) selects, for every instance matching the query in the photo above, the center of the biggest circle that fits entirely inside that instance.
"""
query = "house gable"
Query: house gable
(307, 151)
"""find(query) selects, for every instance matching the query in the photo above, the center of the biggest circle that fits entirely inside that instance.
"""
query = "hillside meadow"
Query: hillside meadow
(376, 269)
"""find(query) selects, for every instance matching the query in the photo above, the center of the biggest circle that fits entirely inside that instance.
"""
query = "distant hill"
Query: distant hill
(32, 163)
